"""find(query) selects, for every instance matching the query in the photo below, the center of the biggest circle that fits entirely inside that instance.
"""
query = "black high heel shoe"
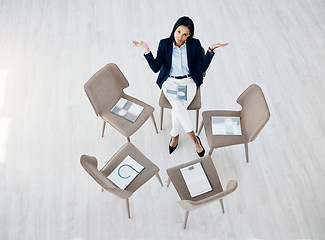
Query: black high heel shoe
(201, 154)
(172, 149)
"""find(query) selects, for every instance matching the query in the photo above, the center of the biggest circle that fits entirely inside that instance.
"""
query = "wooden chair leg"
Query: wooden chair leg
(246, 152)
(221, 204)
(168, 182)
(154, 122)
(211, 151)
(186, 217)
(103, 130)
(159, 179)
(200, 128)
(161, 117)
(128, 207)
(197, 119)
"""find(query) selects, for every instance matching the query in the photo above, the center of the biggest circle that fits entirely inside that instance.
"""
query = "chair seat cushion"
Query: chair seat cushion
(150, 169)
(216, 141)
(126, 127)
(179, 183)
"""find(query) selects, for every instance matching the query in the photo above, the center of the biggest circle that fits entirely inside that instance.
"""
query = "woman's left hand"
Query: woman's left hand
(214, 46)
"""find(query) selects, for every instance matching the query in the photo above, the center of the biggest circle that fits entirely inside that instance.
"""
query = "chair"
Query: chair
(195, 104)
(189, 203)
(89, 163)
(104, 89)
(253, 117)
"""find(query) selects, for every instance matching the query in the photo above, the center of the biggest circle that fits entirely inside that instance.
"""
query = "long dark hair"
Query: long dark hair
(183, 21)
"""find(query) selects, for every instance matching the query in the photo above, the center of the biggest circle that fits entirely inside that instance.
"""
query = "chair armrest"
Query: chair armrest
(189, 205)
(90, 165)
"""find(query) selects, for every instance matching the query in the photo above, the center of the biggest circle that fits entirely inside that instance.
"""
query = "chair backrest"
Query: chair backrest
(89, 163)
(189, 205)
(255, 111)
(105, 87)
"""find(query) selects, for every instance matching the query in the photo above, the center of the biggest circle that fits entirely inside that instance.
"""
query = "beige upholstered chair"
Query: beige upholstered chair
(189, 203)
(195, 104)
(104, 89)
(253, 117)
(89, 163)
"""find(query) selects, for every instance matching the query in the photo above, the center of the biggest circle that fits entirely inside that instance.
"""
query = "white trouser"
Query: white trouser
(180, 114)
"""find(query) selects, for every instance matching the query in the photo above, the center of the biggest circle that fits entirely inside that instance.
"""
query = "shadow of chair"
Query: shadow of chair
(90, 163)
(195, 104)
(104, 89)
(253, 117)
(189, 203)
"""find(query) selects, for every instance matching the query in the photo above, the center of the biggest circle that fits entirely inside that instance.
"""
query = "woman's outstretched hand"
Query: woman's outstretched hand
(214, 46)
(141, 44)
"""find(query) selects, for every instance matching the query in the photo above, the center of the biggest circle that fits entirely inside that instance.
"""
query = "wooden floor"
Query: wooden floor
(49, 49)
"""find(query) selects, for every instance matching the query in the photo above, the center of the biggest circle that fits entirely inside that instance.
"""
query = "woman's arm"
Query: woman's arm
(141, 44)
(214, 46)
(203, 61)
(154, 63)
(208, 57)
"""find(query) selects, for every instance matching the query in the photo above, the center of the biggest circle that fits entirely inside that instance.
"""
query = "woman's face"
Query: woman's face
(181, 34)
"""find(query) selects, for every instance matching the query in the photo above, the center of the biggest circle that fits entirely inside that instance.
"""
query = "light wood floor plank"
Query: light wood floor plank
(49, 49)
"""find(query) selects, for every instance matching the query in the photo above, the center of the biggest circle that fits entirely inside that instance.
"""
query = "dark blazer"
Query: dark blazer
(197, 63)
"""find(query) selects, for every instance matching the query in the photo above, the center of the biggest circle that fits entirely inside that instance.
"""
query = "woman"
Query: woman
(180, 62)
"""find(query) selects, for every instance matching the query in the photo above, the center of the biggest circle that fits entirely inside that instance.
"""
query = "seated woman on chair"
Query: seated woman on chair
(181, 63)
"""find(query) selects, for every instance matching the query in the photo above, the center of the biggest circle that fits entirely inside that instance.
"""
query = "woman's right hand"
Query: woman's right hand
(142, 45)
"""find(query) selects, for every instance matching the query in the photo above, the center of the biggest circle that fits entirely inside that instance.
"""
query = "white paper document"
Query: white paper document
(196, 179)
(226, 125)
(127, 109)
(176, 91)
(125, 172)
